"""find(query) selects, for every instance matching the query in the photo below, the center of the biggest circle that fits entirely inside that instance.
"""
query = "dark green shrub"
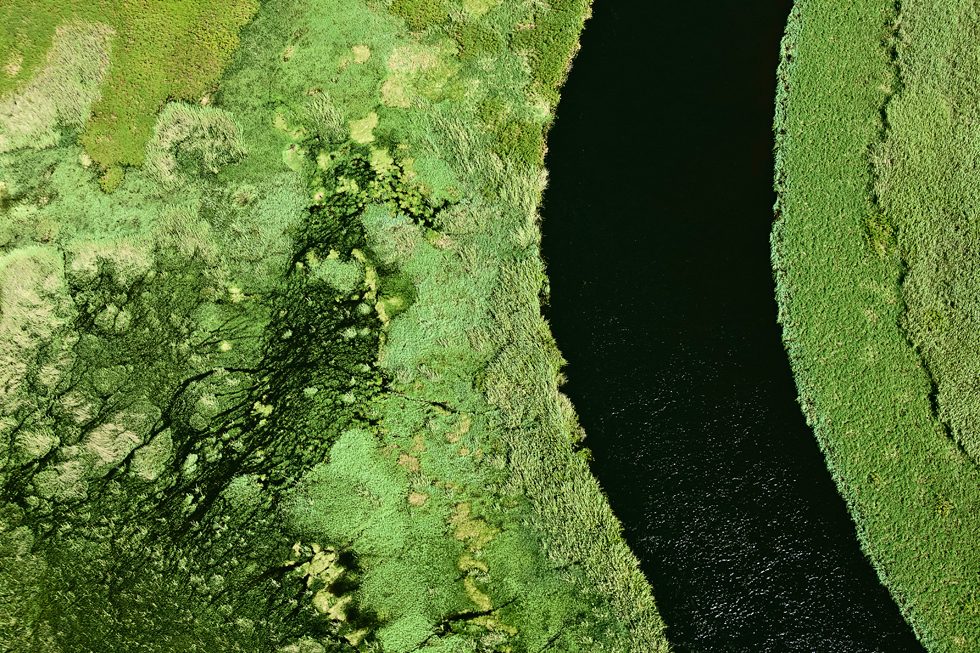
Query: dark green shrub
(420, 14)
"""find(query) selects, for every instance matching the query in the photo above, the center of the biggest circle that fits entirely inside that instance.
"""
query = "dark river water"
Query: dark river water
(656, 234)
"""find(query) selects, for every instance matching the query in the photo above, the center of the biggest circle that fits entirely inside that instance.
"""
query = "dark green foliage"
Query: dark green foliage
(266, 432)
(421, 14)
(476, 40)
(335, 220)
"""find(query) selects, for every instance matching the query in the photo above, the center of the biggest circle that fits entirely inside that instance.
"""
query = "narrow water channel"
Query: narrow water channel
(656, 233)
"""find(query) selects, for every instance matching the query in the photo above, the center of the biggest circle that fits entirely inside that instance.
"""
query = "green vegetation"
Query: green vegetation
(876, 279)
(273, 371)
(160, 50)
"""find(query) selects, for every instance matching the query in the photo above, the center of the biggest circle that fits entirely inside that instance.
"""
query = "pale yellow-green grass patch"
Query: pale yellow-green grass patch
(362, 131)
(63, 91)
(32, 304)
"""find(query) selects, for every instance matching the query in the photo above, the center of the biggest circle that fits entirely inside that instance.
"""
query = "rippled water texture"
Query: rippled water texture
(657, 223)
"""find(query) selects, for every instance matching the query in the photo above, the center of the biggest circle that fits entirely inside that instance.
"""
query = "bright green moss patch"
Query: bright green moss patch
(876, 287)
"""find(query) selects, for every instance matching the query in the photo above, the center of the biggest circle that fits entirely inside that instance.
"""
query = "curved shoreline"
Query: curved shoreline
(861, 386)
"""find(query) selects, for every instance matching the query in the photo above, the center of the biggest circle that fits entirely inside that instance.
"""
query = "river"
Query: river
(656, 234)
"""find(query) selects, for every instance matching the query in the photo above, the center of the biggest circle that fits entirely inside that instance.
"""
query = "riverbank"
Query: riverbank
(662, 301)
(841, 261)
(277, 379)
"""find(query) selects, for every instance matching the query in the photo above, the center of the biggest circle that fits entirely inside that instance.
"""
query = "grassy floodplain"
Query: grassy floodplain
(874, 248)
(157, 50)
(273, 371)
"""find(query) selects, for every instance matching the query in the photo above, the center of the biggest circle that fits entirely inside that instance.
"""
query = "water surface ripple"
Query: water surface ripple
(656, 234)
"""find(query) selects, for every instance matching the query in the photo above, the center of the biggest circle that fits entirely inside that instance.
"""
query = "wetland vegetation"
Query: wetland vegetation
(874, 249)
(273, 371)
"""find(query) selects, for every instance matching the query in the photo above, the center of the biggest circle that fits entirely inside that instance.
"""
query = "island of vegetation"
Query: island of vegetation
(273, 370)
(878, 279)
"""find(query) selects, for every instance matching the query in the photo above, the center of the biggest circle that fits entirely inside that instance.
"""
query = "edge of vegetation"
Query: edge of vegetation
(862, 388)
(595, 534)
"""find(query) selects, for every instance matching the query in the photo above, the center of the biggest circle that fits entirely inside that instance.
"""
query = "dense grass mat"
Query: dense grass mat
(876, 284)
(160, 50)
(273, 371)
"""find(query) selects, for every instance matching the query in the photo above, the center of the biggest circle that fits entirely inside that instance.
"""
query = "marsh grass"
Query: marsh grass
(861, 294)
(306, 396)
(63, 90)
(922, 181)
(159, 51)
